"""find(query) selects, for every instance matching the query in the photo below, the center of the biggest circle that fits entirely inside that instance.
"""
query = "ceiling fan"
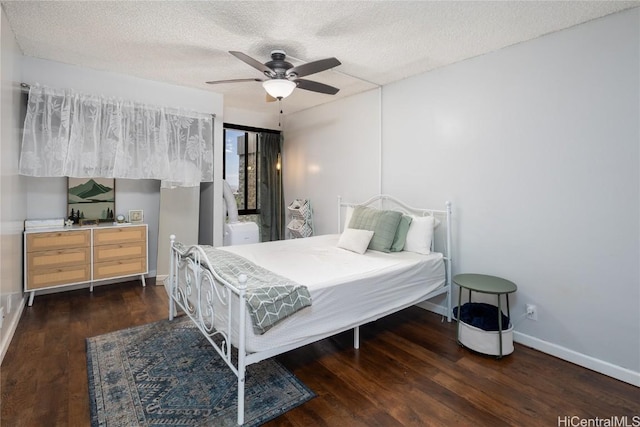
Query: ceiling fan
(283, 77)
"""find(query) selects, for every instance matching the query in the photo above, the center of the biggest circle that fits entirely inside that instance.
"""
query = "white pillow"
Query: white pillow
(355, 240)
(420, 235)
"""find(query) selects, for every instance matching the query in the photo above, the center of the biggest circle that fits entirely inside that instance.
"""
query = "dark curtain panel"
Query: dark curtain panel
(271, 195)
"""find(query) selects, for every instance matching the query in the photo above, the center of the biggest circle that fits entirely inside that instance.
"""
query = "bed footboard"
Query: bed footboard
(196, 289)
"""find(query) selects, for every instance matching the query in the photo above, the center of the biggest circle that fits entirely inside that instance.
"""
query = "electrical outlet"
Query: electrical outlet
(532, 312)
(1, 316)
(9, 304)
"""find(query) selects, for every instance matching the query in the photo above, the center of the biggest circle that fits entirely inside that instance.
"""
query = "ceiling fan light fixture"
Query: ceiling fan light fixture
(279, 88)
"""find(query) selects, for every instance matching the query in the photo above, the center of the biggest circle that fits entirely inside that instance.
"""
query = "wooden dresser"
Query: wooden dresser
(55, 258)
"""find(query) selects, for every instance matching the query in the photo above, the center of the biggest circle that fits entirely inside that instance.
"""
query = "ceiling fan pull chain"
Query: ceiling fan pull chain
(280, 117)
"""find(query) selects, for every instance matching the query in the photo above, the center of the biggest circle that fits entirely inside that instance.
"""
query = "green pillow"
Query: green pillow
(401, 234)
(383, 224)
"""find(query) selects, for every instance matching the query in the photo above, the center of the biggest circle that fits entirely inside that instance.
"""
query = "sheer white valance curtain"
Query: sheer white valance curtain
(89, 136)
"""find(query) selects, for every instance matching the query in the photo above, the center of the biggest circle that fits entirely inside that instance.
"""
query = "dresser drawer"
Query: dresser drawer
(125, 267)
(58, 240)
(120, 251)
(46, 277)
(58, 258)
(110, 236)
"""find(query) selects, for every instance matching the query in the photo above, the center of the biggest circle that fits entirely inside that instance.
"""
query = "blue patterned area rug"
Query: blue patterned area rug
(167, 374)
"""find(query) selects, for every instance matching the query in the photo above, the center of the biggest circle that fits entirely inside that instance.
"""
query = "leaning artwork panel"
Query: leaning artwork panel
(91, 198)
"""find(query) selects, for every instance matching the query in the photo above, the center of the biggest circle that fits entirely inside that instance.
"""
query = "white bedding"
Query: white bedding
(347, 289)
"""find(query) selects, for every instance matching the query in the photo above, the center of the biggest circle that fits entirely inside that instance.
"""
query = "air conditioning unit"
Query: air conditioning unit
(241, 233)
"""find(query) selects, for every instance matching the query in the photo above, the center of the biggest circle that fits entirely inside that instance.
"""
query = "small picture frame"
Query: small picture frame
(136, 216)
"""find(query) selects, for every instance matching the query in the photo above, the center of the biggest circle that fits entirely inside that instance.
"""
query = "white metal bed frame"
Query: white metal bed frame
(205, 284)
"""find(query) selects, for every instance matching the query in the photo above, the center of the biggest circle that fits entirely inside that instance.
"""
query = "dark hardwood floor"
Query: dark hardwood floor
(409, 371)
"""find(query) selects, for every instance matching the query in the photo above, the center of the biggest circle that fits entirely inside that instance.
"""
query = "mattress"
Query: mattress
(347, 289)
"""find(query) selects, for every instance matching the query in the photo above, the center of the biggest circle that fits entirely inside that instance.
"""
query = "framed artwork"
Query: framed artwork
(91, 198)
(136, 216)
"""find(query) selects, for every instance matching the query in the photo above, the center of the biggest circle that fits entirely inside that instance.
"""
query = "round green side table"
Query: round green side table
(485, 284)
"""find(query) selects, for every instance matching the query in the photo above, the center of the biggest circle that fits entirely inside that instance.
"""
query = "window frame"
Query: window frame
(243, 210)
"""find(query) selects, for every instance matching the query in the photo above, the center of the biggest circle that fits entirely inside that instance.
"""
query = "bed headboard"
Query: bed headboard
(441, 241)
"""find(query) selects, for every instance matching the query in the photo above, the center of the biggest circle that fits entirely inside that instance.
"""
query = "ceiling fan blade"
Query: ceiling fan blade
(316, 87)
(313, 67)
(255, 64)
(215, 82)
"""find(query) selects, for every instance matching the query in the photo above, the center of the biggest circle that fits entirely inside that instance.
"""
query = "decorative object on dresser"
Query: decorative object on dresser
(91, 198)
(43, 223)
(63, 256)
(136, 216)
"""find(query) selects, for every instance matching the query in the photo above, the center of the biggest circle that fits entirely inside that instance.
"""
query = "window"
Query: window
(251, 167)
(241, 168)
(242, 163)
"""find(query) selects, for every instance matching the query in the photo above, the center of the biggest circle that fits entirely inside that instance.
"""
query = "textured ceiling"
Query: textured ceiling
(187, 42)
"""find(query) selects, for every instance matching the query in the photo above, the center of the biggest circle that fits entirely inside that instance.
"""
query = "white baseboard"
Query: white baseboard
(9, 326)
(435, 308)
(605, 368)
(597, 365)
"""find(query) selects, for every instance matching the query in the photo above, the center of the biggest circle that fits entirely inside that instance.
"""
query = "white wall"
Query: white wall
(142, 194)
(238, 116)
(173, 221)
(538, 147)
(326, 156)
(47, 197)
(13, 203)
